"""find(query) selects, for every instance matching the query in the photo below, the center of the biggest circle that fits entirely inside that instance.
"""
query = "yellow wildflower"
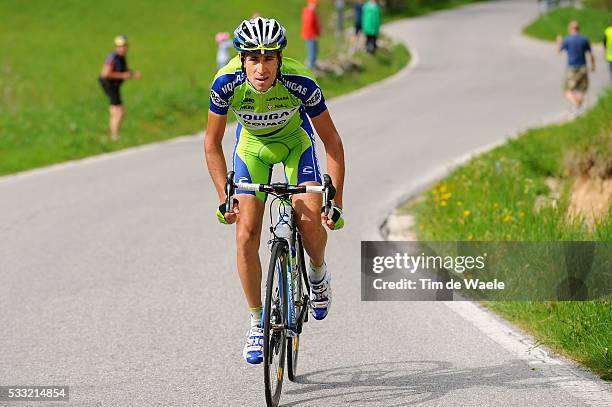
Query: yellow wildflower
(443, 203)
(466, 213)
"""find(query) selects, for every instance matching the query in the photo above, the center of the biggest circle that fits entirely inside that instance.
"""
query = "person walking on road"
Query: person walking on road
(576, 81)
(114, 72)
(370, 23)
(607, 43)
(311, 30)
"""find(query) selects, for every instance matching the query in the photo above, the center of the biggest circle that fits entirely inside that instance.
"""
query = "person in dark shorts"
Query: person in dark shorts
(114, 72)
(358, 8)
(576, 80)
(356, 39)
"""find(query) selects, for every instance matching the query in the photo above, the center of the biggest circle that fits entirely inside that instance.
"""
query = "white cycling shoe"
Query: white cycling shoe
(253, 348)
(321, 297)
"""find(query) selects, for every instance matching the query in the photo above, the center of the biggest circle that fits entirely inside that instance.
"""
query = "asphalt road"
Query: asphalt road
(117, 280)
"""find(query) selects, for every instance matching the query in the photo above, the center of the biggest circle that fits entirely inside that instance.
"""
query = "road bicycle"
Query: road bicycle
(287, 302)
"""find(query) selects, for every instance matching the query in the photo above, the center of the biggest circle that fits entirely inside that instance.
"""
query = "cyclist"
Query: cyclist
(274, 99)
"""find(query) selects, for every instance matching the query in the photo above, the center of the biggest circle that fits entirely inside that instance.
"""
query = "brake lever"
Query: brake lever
(229, 192)
(328, 194)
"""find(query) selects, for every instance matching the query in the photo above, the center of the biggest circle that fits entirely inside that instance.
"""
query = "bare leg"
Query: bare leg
(116, 117)
(308, 217)
(579, 98)
(248, 236)
(569, 95)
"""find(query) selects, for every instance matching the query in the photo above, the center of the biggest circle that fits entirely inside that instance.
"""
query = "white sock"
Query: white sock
(255, 316)
(316, 274)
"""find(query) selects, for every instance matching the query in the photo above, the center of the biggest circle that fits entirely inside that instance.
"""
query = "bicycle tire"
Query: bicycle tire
(275, 339)
(293, 344)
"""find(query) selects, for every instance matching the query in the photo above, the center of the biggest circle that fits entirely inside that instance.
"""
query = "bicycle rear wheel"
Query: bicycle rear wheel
(275, 322)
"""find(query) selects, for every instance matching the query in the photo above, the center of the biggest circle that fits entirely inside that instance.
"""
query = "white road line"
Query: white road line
(577, 381)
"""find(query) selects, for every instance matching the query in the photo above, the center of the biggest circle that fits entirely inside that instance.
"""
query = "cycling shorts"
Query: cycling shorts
(255, 156)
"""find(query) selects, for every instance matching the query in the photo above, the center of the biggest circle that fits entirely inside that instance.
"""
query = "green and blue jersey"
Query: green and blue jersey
(273, 126)
(273, 111)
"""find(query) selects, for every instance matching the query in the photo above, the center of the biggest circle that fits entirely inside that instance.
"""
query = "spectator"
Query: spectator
(114, 72)
(311, 31)
(370, 23)
(357, 9)
(576, 80)
(607, 42)
(223, 46)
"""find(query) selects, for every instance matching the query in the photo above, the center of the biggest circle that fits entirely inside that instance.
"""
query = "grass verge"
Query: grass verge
(592, 21)
(494, 197)
(53, 109)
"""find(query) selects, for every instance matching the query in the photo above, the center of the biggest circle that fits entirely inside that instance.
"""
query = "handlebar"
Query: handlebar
(280, 188)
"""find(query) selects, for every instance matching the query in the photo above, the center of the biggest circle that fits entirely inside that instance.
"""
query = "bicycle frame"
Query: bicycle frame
(286, 230)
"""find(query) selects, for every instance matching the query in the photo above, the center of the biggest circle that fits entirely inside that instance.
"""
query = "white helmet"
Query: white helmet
(261, 35)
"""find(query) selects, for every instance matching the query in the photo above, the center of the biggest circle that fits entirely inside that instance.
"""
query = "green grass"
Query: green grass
(580, 330)
(52, 52)
(53, 109)
(592, 21)
(492, 198)
(381, 65)
(598, 4)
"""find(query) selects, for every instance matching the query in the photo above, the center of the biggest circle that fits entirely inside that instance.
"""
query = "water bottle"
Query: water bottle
(283, 222)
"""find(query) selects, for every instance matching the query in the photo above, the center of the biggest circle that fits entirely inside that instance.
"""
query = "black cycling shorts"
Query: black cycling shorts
(112, 91)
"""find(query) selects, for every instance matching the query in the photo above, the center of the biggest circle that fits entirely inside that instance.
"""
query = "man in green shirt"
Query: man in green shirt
(275, 99)
(370, 24)
(607, 42)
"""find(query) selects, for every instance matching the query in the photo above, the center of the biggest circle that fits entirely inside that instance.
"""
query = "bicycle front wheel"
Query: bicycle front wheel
(300, 310)
(275, 323)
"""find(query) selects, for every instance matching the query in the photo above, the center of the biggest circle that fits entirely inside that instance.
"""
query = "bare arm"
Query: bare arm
(334, 150)
(592, 61)
(213, 151)
(108, 73)
(215, 160)
(559, 44)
